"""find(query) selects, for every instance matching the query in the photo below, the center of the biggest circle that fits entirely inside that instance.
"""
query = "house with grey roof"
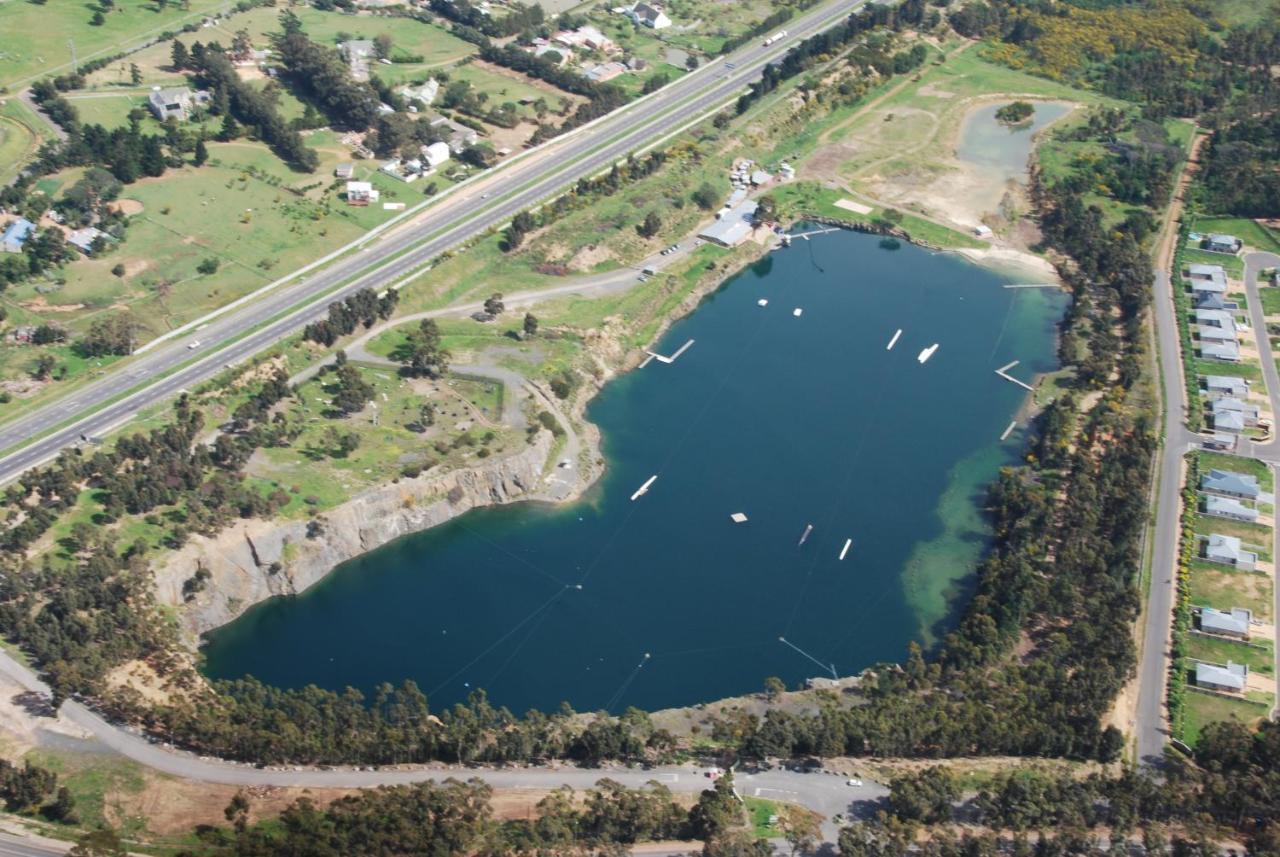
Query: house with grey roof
(175, 102)
(1219, 243)
(1230, 677)
(1233, 623)
(1215, 318)
(16, 234)
(1223, 352)
(82, 239)
(1221, 440)
(457, 135)
(1226, 385)
(1230, 414)
(1210, 300)
(1228, 550)
(1229, 483)
(1229, 508)
(1200, 272)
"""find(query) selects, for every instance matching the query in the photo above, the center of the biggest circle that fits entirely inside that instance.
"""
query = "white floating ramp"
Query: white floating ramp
(894, 341)
(762, 302)
(738, 518)
(653, 355)
(1003, 372)
(797, 312)
(805, 535)
(924, 356)
(845, 549)
(644, 489)
(1009, 430)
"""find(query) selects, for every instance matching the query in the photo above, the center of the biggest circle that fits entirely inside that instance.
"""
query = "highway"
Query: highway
(102, 405)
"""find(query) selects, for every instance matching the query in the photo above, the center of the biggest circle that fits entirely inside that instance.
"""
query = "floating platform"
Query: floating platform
(653, 355)
(1009, 430)
(894, 341)
(805, 535)
(924, 356)
(762, 302)
(644, 489)
(847, 544)
(738, 518)
(1003, 372)
(797, 312)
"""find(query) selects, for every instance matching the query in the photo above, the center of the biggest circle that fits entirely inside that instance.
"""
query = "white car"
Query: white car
(855, 783)
(193, 344)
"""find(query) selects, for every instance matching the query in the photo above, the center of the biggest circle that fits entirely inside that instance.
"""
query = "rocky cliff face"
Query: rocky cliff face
(257, 559)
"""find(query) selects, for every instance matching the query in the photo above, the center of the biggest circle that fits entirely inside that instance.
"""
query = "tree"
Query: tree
(651, 226)
(766, 209)
(530, 324)
(1015, 112)
(716, 811)
(424, 355)
(353, 391)
(924, 797)
(738, 843)
(800, 828)
(135, 74)
(494, 305)
(201, 154)
(382, 44)
(773, 688)
(706, 196)
(98, 19)
(691, 62)
(114, 334)
(118, 270)
(103, 842)
(178, 56)
(62, 808)
(208, 266)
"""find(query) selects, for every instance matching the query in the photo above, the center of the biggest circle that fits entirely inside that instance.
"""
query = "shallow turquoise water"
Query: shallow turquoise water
(1002, 151)
(792, 421)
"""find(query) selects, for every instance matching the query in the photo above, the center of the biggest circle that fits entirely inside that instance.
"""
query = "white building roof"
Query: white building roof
(1220, 621)
(734, 226)
(1233, 675)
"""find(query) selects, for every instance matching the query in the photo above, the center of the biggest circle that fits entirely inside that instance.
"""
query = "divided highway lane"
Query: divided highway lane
(394, 257)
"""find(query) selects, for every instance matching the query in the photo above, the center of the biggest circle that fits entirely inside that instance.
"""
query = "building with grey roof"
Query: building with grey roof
(1229, 508)
(1219, 243)
(732, 227)
(1226, 385)
(1228, 624)
(1230, 414)
(1229, 483)
(1231, 677)
(1199, 271)
(1223, 352)
(1228, 550)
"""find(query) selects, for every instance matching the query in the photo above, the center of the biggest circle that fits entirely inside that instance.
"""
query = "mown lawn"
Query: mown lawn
(1260, 470)
(1231, 264)
(1205, 708)
(20, 137)
(1252, 233)
(1212, 585)
(1259, 658)
(1254, 534)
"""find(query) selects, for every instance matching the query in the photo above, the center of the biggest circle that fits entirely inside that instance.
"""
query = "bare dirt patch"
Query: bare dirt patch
(173, 806)
(41, 304)
(140, 677)
(128, 207)
(588, 257)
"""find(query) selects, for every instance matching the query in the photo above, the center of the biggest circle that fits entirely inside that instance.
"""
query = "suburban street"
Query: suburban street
(1153, 668)
(256, 326)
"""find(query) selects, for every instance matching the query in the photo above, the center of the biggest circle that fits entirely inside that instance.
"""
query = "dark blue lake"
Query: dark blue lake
(791, 421)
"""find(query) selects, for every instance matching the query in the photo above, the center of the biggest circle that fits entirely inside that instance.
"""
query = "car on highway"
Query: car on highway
(193, 345)
(854, 782)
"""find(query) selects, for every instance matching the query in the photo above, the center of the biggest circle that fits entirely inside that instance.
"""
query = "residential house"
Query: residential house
(1228, 421)
(435, 154)
(648, 15)
(1229, 483)
(176, 102)
(1229, 404)
(1229, 508)
(1211, 300)
(16, 234)
(587, 37)
(344, 170)
(1222, 244)
(1223, 441)
(732, 227)
(1200, 272)
(558, 54)
(760, 177)
(1224, 352)
(361, 193)
(1226, 385)
(1216, 318)
(1232, 677)
(604, 71)
(405, 171)
(82, 239)
(424, 94)
(1227, 624)
(1227, 550)
(457, 135)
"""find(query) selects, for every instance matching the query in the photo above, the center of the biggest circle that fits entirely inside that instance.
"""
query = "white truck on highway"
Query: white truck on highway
(775, 38)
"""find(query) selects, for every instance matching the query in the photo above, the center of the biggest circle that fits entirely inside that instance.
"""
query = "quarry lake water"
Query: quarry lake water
(792, 421)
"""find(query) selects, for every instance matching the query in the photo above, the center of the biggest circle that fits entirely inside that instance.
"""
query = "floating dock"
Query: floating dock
(644, 489)
(1003, 372)
(1030, 286)
(1009, 430)
(845, 549)
(653, 355)
(924, 356)
(894, 341)
(762, 302)
(738, 518)
(797, 312)
(805, 535)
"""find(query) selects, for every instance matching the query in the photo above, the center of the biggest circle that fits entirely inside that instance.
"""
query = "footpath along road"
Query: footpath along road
(826, 793)
(238, 335)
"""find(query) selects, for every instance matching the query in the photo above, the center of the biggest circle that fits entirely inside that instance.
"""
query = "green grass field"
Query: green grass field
(1252, 233)
(1238, 464)
(1233, 265)
(1259, 658)
(34, 36)
(1204, 708)
(20, 136)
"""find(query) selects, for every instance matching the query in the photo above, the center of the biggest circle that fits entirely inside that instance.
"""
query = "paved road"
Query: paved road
(395, 255)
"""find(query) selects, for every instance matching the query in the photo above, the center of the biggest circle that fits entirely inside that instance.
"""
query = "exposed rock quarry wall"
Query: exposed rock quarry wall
(241, 558)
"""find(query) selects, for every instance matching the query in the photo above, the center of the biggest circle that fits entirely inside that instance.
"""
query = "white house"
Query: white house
(1233, 676)
(648, 15)
(1227, 550)
(361, 193)
(435, 154)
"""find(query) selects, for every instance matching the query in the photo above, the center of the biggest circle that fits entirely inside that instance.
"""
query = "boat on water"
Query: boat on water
(805, 535)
